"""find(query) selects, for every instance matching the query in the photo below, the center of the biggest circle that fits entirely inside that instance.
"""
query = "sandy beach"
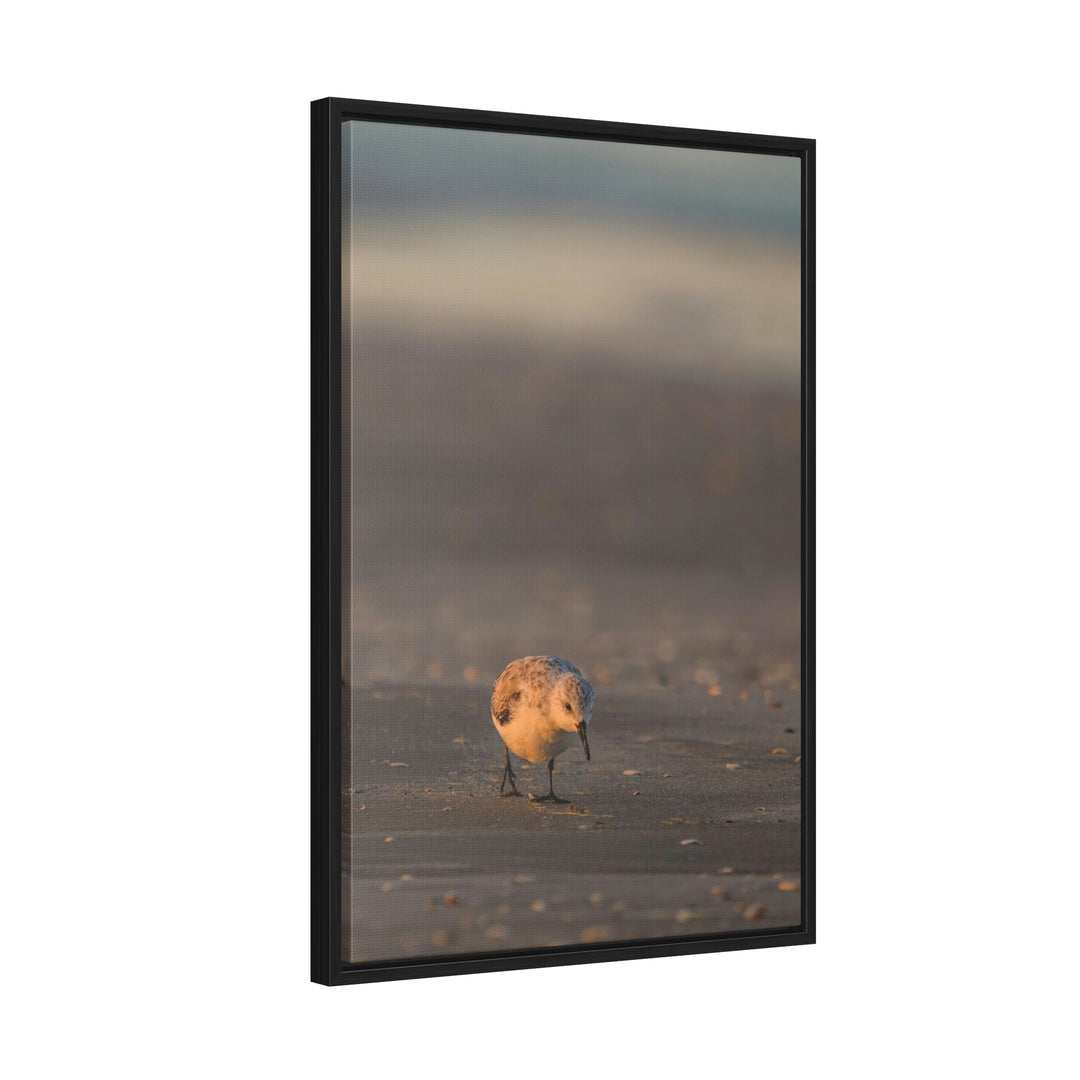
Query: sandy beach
(504, 499)
(685, 822)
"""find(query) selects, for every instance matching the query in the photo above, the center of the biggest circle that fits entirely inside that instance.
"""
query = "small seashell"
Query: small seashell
(779, 750)
(440, 937)
(715, 690)
(398, 765)
(450, 898)
(387, 886)
(523, 879)
(753, 911)
(538, 906)
(496, 933)
(389, 840)
(732, 765)
(788, 886)
(631, 772)
(596, 897)
(684, 915)
(719, 892)
(685, 843)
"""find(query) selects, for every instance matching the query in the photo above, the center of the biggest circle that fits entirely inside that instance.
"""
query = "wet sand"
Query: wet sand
(513, 497)
(685, 822)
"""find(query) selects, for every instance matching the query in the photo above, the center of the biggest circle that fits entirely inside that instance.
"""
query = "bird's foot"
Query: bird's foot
(550, 798)
(511, 794)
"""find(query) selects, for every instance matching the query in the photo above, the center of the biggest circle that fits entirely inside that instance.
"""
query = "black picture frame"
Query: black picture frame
(327, 116)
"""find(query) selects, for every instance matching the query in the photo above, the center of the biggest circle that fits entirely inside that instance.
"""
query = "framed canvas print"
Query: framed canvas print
(562, 541)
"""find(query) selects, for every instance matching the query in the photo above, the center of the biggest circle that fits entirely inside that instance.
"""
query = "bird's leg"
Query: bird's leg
(508, 774)
(551, 796)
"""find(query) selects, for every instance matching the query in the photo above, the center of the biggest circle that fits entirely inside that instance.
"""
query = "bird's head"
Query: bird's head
(573, 707)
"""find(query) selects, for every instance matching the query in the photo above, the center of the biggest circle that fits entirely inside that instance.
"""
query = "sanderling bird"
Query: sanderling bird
(539, 705)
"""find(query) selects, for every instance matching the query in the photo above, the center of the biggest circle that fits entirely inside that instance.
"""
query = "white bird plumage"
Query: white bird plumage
(540, 706)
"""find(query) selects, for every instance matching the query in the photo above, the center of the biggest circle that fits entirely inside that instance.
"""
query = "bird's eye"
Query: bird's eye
(568, 708)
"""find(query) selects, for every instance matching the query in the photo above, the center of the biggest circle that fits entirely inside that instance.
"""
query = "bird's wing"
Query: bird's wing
(505, 694)
(590, 694)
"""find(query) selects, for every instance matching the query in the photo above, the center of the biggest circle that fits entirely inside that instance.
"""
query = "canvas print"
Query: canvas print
(570, 488)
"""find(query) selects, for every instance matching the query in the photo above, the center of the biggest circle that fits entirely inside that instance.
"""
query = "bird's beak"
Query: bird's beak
(584, 739)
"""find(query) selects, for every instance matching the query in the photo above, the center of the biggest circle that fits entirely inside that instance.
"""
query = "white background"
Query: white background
(153, 443)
